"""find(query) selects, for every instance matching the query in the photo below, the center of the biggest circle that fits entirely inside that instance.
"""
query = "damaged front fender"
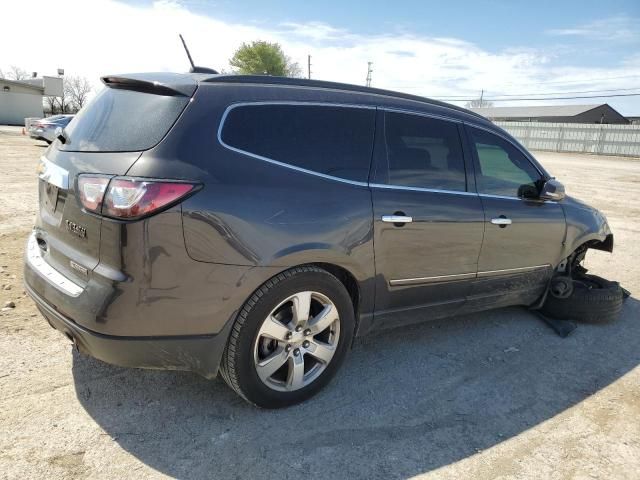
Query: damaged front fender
(585, 226)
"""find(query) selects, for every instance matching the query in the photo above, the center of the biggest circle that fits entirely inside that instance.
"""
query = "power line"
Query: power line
(546, 93)
(450, 99)
(589, 80)
(567, 93)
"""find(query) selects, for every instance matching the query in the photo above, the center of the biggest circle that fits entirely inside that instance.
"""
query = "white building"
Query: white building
(23, 98)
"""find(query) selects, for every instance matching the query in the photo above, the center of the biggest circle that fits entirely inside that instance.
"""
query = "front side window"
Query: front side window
(331, 140)
(424, 152)
(502, 169)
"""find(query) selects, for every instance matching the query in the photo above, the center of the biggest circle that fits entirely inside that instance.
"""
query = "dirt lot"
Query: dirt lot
(492, 395)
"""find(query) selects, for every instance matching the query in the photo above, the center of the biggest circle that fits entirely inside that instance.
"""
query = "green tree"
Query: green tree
(263, 58)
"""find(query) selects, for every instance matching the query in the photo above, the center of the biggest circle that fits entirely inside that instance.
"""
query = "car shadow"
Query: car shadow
(407, 401)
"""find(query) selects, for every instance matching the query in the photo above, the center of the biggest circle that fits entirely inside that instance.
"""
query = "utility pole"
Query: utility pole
(309, 67)
(481, 95)
(369, 71)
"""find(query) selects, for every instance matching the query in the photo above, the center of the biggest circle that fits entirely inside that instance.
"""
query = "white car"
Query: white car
(45, 129)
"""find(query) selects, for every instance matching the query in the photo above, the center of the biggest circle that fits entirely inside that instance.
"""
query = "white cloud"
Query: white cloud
(105, 36)
(614, 29)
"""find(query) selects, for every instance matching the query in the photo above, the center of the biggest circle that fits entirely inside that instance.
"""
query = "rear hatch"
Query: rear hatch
(131, 115)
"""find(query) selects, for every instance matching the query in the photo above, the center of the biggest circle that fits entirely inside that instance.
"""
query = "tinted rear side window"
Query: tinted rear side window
(424, 152)
(331, 140)
(122, 121)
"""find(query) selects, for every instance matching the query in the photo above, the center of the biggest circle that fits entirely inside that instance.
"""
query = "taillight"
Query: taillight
(134, 198)
(129, 198)
(91, 189)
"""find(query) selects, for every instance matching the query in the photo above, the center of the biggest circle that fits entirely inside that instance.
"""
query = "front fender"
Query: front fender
(585, 224)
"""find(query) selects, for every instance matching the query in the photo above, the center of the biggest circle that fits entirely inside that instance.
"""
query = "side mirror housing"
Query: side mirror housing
(552, 190)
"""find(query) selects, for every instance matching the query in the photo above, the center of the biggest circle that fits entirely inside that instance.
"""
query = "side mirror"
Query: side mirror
(552, 190)
(528, 191)
(59, 133)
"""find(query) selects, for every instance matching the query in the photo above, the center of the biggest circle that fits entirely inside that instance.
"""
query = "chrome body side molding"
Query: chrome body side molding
(464, 276)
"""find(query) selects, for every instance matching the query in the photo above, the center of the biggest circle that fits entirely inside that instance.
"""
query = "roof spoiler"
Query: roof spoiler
(147, 86)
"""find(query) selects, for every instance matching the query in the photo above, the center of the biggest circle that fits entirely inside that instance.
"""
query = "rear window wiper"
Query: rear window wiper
(61, 135)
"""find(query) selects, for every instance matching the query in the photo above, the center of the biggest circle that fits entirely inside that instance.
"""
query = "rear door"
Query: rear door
(105, 138)
(523, 235)
(426, 261)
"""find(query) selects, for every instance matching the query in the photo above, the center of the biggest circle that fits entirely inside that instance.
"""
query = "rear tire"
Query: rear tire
(594, 300)
(299, 324)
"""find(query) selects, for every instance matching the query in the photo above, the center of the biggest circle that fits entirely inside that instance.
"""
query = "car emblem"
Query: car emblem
(76, 229)
(78, 267)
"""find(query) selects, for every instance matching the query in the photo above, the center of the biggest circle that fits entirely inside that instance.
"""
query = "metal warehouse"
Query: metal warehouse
(20, 99)
(602, 113)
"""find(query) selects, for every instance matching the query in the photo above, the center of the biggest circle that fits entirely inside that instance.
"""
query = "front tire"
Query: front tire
(593, 300)
(289, 338)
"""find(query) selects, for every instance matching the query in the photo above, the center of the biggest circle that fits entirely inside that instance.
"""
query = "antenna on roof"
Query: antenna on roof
(194, 68)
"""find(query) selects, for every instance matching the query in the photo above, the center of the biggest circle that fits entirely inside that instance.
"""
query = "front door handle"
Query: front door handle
(502, 221)
(398, 220)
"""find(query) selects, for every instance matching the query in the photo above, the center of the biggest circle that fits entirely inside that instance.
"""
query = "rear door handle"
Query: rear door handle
(397, 219)
(502, 221)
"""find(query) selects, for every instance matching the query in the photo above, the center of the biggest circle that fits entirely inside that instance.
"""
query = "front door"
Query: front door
(427, 226)
(523, 235)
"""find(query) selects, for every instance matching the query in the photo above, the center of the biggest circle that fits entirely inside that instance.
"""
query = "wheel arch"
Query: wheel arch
(361, 291)
(354, 268)
(348, 280)
(595, 241)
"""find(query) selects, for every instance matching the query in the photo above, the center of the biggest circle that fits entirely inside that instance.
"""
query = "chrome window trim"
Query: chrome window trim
(422, 114)
(53, 174)
(421, 189)
(521, 199)
(455, 192)
(428, 103)
(46, 271)
(463, 276)
(283, 164)
(501, 197)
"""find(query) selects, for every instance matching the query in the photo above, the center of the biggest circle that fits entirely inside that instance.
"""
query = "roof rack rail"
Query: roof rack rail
(303, 82)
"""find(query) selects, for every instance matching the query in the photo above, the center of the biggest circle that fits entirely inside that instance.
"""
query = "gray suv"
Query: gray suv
(254, 225)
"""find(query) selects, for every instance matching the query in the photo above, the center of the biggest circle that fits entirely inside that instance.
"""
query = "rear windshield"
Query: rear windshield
(122, 121)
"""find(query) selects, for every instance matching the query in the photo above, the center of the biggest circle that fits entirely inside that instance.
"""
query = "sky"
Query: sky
(439, 49)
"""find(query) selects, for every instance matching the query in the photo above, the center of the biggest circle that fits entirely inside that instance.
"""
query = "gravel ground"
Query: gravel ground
(491, 395)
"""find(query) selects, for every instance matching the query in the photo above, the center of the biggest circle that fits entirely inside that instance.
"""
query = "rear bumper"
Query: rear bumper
(197, 353)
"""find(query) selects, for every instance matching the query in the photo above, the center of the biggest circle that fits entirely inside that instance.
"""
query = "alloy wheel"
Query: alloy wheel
(297, 341)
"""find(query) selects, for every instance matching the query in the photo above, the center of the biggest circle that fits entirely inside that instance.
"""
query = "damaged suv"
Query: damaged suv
(254, 225)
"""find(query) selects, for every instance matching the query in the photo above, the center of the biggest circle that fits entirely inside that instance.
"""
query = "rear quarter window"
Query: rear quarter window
(120, 120)
(331, 140)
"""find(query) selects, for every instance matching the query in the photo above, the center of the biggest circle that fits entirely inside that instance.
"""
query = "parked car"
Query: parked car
(254, 225)
(45, 129)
